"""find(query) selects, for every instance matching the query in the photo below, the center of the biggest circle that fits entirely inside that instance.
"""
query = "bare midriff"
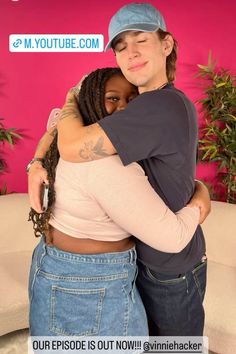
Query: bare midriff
(71, 244)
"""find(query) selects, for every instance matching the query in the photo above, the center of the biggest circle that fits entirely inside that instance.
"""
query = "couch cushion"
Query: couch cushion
(219, 230)
(17, 242)
(220, 308)
(15, 230)
(14, 270)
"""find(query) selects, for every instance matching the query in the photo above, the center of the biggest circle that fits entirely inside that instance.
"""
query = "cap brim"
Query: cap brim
(143, 27)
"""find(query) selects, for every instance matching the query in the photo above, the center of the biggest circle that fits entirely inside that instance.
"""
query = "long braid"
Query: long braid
(92, 109)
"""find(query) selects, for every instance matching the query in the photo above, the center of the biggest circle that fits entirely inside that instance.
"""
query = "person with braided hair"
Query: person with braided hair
(92, 106)
(82, 277)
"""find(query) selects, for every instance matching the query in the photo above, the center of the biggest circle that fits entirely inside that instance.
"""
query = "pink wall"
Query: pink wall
(32, 83)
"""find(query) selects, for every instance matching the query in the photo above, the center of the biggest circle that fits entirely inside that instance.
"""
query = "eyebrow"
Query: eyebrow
(120, 37)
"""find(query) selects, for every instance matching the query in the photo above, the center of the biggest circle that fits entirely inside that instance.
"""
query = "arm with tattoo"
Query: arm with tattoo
(45, 142)
(78, 143)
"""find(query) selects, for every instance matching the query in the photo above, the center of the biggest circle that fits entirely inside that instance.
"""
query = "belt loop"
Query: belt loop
(133, 256)
(43, 252)
(134, 285)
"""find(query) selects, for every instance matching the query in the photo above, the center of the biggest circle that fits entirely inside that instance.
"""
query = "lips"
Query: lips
(136, 67)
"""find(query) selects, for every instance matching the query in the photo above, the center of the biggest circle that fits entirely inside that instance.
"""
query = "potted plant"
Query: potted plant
(9, 136)
(218, 134)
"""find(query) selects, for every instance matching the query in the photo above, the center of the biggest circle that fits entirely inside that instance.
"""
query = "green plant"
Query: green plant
(218, 135)
(9, 136)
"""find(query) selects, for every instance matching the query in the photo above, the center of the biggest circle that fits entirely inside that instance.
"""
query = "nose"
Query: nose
(132, 50)
(122, 104)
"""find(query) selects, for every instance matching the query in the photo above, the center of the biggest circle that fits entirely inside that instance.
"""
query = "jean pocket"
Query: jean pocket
(199, 276)
(76, 311)
(162, 278)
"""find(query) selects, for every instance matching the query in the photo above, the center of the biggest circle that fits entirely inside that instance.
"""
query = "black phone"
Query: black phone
(44, 196)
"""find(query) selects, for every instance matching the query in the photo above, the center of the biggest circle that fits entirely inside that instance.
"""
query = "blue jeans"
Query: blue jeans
(84, 294)
(174, 302)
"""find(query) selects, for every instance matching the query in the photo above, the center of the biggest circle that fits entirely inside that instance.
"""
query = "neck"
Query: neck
(155, 83)
(159, 86)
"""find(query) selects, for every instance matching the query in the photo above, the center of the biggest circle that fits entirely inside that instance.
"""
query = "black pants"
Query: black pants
(174, 302)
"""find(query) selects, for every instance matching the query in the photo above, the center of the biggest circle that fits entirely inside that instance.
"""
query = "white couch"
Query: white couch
(17, 242)
(220, 300)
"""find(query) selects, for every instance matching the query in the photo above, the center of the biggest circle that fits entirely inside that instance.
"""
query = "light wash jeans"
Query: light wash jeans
(84, 294)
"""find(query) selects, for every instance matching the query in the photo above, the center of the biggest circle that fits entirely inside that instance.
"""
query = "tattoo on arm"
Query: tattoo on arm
(41, 141)
(91, 151)
(65, 113)
(70, 109)
(70, 100)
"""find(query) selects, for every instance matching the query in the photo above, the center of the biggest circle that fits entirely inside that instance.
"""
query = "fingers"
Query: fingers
(202, 216)
(204, 212)
(78, 85)
(36, 178)
(201, 198)
(76, 90)
(204, 207)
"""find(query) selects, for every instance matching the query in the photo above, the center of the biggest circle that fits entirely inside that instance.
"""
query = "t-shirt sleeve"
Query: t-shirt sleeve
(153, 124)
(129, 200)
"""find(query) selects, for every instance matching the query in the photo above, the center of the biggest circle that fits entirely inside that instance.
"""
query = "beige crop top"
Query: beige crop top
(103, 200)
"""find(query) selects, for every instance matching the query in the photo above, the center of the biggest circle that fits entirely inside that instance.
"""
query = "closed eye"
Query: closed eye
(119, 47)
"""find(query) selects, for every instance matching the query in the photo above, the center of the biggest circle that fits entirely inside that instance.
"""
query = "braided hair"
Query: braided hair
(92, 108)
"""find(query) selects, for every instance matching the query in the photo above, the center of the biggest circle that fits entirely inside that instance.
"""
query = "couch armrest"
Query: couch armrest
(220, 233)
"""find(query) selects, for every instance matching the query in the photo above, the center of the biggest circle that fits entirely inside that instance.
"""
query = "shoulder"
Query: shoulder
(164, 98)
(166, 104)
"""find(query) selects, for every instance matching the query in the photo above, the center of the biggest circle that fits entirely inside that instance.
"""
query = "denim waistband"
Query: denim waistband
(124, 257)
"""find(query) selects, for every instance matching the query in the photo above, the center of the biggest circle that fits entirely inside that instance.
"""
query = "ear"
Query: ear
(168, 44)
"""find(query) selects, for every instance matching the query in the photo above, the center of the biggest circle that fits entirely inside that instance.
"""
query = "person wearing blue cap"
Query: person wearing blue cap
(158, 129)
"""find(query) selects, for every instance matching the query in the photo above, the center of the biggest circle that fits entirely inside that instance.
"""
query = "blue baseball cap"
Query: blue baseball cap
(135, 17)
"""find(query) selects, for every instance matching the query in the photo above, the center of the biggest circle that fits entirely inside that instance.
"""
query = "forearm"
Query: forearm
(44, 143)
(79, 143)
(70, 129)
(37, 175)
(130, 201)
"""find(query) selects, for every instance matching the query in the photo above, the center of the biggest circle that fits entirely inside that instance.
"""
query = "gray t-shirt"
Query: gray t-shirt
(158, 129)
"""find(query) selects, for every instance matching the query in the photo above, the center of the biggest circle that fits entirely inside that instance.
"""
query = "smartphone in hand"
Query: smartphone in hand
(44, 196)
